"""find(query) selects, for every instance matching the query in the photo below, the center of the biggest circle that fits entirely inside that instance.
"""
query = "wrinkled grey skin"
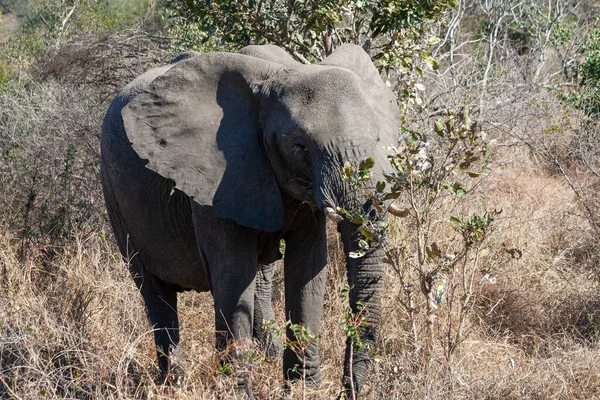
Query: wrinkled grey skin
(209, 161)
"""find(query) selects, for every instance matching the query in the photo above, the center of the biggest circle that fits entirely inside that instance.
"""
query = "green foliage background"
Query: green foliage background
(392, 31)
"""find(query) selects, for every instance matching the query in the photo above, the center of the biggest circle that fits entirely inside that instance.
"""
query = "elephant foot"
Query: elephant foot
(305, 387)
(177, 376)
(244, 385)
(173, 377)
(243, 381)
(274, 349)
(237, 363)
(307, 369)
(242, 377)
(312, 383)
(245, 394)
(269, 342)
(271, 346)
(350, 390)
(171, 372)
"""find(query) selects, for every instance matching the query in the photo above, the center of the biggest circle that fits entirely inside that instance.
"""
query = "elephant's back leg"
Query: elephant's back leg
(153, 227)
(160, 298)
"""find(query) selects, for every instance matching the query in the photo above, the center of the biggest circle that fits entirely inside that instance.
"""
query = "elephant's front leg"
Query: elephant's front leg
(305, 269)
(233, 292)
(229, 252)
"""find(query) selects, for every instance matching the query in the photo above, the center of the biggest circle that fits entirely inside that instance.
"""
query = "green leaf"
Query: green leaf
(455, 220)
(433, 40)
(458, 190)
(367, 164)
(370, 236)
(357, 254)
(432, 62)
(439, 128)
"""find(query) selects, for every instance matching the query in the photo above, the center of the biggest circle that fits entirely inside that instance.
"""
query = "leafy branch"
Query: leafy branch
(428, 172)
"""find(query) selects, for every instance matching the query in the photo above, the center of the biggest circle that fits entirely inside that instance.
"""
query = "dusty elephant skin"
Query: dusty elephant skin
(209, 161)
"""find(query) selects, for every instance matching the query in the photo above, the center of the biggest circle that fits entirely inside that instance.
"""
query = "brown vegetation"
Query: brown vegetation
(75, 326)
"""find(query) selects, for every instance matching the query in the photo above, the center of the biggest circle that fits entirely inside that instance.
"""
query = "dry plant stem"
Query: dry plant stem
(351, 374)
(466, 303)
(452, 30)
(412, 316)
(423, 274)
(413, 319)
(590, 213)
(430, 321)
(420, 235)
(8, 389)
(420, 260)
(409, 304)
(303, 376)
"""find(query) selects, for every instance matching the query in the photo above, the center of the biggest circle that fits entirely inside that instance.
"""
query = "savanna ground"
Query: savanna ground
(517, 318)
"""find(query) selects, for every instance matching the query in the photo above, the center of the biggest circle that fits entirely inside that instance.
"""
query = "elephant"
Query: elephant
(209, 161)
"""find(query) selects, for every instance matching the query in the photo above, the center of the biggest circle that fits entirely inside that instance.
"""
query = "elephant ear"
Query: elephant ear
(197, 124)
(383, 100)
(269, 52)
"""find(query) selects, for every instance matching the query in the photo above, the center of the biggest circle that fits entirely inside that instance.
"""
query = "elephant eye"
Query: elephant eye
(299, 149)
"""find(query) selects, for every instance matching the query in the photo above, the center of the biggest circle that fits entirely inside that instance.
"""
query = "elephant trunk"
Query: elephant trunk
(366, 279)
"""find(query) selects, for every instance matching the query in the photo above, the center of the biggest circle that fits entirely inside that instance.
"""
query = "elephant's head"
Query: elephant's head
(313, 119)
(235, 131)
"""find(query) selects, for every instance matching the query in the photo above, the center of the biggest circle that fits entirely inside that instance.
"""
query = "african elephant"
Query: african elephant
(209, 161)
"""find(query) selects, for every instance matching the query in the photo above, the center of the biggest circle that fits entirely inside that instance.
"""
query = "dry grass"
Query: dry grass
(74, 326)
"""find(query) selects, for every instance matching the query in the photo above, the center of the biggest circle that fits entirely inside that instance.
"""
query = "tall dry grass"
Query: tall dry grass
(74, 326)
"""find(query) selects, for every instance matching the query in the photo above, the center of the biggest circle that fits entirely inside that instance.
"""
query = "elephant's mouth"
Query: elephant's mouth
(300, 188)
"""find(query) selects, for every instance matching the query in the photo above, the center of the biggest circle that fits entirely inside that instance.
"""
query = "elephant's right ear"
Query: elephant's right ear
(383, 100)
(197, 124)
(356, 59)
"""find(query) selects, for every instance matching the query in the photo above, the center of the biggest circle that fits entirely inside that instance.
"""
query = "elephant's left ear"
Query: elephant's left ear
(197, 124)
(384, 103)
